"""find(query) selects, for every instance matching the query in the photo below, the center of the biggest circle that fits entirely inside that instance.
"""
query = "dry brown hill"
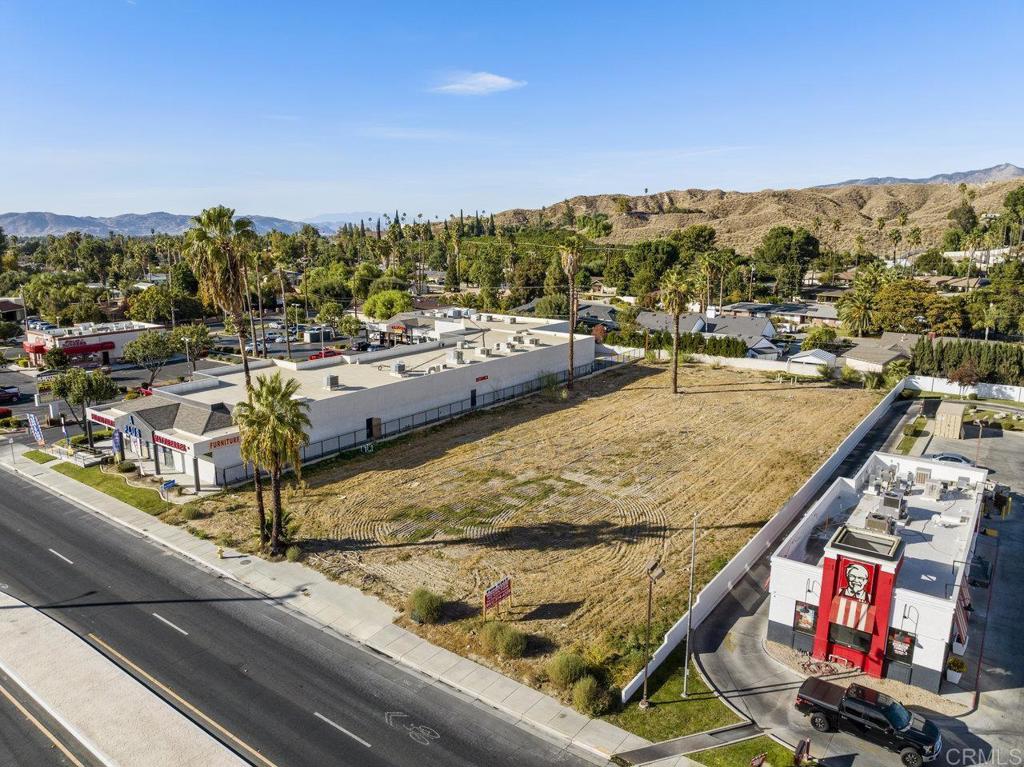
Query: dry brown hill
(742, 218)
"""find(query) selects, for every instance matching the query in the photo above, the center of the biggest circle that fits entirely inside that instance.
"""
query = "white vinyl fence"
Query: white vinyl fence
(982, 390)
(719, 586)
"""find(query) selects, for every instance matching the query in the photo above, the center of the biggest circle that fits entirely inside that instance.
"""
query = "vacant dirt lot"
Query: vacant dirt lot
(569, 499)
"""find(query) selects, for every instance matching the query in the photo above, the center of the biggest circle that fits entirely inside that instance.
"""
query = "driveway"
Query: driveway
(730, 644)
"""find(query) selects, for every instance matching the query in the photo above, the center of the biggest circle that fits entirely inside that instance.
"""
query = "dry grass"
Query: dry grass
(570, 499)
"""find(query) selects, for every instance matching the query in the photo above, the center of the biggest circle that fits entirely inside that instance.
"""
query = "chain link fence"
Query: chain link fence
(365, 438)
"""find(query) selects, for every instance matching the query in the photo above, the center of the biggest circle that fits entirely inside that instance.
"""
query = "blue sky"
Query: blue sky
(298, 109)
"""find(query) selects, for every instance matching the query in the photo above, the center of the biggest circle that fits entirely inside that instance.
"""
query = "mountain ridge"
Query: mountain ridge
(42, 223)
(1003, 172)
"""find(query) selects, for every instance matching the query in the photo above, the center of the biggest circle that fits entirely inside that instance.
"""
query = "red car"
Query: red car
(325, 354)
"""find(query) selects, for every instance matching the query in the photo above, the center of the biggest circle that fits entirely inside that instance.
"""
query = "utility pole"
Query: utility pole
(977, 449)
(654, 572)
(689, 612)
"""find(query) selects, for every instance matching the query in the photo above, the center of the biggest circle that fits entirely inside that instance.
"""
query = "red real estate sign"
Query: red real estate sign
(498, 593)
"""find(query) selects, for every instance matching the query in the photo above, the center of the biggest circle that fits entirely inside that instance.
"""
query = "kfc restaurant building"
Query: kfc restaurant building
(874, 575)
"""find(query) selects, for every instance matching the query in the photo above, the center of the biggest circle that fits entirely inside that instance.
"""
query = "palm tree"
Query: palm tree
(216, 248)
(273, 426)
(675, 296)
(571, 252)
(856, 310)
(896, 237)
(278, 244)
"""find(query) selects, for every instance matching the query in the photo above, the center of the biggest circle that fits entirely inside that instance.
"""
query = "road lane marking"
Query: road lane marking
(162, 619)
(338, 727)
(181, 701)
(58, 554)
(41, 727)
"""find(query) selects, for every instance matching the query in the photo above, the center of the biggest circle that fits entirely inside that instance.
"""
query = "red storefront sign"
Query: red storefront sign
(481, 378)
(102, 419)
(224, 442)
(173, 444)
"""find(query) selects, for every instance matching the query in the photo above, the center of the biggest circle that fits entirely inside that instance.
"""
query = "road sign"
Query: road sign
(168, 484)
(497, 593)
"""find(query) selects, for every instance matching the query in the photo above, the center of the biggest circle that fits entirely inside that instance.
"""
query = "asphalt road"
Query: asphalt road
(290, 691)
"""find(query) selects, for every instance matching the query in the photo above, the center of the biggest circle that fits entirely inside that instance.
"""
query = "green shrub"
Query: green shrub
(972, 396)
(425, 606)
(850, 376)
(22, 362)
(293, 553)
(190, 513)
(9, 423)
(566, 668)
(588, 697)
(956, 664)
(499, 638)
(132, 395)
(126, 467)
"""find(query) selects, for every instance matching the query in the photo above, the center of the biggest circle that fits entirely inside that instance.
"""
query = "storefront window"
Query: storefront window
(848, 637)
(806, 617)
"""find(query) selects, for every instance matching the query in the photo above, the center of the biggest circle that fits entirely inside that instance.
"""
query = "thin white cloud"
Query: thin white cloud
(477, 84)
(400, 133)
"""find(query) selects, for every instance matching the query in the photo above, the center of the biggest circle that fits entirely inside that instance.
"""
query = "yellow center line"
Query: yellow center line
(181, 701)
(41, 727)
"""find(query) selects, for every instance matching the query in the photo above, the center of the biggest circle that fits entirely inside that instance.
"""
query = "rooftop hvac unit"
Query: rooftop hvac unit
(880, 523)
(511, 320)
(484, 351)
(488, 318)
(434, 369)
(455, 357)
(330, 382)
(933, 489)
(462, 344)
(517, 340)
(398, 368)
(510, 346)
(533, 341)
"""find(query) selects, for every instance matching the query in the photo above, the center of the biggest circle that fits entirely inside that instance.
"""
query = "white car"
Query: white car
(951, 458)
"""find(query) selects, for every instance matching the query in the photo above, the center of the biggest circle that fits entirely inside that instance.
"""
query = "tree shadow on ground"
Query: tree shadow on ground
(544, 536)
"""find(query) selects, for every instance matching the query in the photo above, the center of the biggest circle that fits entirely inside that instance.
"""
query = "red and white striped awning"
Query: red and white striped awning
(852, 613)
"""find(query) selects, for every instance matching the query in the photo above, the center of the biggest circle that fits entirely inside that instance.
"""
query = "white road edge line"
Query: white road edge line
(162, 619)
(58, 554)
(337, 726)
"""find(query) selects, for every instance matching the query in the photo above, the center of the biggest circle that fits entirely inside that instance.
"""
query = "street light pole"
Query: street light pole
(977, 449)
(654, 571)
(689, 612)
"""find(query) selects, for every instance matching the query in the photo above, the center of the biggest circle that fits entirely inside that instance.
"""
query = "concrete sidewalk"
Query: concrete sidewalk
(671, 751)
(349, 612)
(104, 708)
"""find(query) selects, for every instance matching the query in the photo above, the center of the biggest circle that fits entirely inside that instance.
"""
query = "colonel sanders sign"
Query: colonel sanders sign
(856, 581)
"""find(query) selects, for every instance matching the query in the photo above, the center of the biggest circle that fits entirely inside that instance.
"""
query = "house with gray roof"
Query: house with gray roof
(755, 332)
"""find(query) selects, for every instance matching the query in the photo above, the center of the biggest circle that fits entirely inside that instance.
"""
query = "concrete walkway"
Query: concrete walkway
(665, 751)
(104, 708)
(349, 612)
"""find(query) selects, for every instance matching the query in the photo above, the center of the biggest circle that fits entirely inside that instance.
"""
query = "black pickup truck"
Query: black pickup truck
(870, 715)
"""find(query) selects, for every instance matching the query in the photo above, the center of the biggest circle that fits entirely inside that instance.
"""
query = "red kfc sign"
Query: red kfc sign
(856, 580)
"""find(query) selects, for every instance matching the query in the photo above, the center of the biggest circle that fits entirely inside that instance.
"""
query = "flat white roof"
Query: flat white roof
(227, 384)
(936, 534)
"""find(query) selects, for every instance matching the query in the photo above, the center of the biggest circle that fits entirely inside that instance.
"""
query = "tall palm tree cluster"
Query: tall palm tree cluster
(273, 425)
(219, 250)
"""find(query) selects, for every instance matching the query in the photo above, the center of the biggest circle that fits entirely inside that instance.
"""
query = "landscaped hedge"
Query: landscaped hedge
(994, 362)
(689, 343)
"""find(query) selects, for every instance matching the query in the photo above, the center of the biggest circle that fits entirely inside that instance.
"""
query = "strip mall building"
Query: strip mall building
(103, 343)
(471, 362)
(876, 572)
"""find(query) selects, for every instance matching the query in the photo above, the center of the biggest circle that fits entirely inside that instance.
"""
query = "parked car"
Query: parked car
(870, 715)
(324, 354)
(951, 458)
(274, 338)
(9, 394)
